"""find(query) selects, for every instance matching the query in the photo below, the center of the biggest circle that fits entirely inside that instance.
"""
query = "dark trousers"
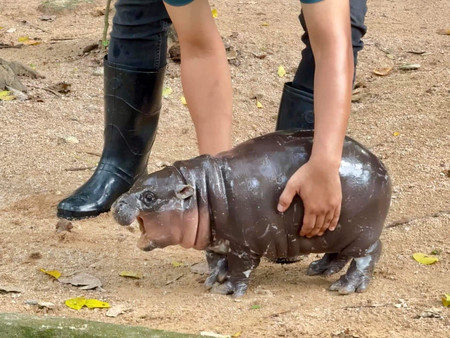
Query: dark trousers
(139, 38)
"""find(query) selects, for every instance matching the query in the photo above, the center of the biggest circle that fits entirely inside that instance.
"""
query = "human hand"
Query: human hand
(319, 187)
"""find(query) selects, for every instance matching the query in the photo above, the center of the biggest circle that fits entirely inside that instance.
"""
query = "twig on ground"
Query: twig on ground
(174, 280)
(4, 45)
(365, 306)
(93, 154)
(25, 22)
(408, 220)
(80, 168)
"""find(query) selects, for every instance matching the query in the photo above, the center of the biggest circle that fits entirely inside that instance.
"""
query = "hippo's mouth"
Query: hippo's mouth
(143, 243)
(141, 224)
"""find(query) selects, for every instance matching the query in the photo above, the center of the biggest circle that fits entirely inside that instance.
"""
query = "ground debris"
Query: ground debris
(409, 66)
(344, 334)
(175, 279)
(90, 48)
(84, 280)
(9, 289)
(63, 225)
(60, 87)
(11, 70)
(430, 313)
(200, 268)
(117, 310)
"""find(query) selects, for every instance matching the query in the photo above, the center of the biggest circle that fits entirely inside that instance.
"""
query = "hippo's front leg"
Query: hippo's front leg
(240, 265)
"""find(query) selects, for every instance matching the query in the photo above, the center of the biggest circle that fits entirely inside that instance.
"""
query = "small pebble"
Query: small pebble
(98, 71)
(71, 140)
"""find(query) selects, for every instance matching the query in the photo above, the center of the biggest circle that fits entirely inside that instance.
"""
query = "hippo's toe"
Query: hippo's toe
(228, 288)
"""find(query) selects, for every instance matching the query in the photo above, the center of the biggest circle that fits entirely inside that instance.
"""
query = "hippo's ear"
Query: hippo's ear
(183, 191)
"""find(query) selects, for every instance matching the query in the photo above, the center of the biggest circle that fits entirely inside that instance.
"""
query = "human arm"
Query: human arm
(317, 182)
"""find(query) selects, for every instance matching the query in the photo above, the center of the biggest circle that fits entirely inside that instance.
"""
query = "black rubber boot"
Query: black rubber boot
(296, 109)
(132, 105)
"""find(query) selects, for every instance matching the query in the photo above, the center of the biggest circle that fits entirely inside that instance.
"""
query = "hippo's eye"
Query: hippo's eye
(147, 197)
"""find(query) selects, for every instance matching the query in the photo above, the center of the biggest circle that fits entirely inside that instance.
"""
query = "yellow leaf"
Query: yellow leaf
(1, 28)
(31, 42)
(177, 264)
(183, 100)
(424, 259)
(6, 95)
(265, 24)
(281, 72)
(382, 71)
(214, 13)
(131, 274)
(54, 273)
(443, 31)
(23, 38)
(237, 334)
(166, 92)
(446, 300)
(76, 303)
(259, 104)
(95, 303)
(396, 133)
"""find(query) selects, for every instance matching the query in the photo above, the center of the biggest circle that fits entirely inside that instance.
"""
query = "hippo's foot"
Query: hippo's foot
(329, 264)
(236, 289)
(359, 274)
(218, 268)
(240, 265)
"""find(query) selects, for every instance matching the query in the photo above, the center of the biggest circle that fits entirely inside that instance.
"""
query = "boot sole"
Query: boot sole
(74, 215)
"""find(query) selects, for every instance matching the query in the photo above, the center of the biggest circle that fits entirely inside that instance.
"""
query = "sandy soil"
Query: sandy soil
(37, 170)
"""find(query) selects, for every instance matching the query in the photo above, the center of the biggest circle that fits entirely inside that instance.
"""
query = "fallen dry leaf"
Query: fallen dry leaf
(443, 31)
(259, 105)
(183, 100)
(76, 303)
(116, 310)
(166, 92)
(446, 300)
(6, 95)
(382, 71)
(96, 304)
(424, 259)
(54, 273)
(131, 274)
(84, 280)
(214, 13)
(281, 71)
(79, 302)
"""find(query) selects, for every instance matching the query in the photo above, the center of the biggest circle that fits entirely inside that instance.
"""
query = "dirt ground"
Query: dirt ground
(402, 117)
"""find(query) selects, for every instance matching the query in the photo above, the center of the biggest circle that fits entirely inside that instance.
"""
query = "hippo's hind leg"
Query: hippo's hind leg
(240, 265)
(329, 264)
(218, 268)
(359, 274)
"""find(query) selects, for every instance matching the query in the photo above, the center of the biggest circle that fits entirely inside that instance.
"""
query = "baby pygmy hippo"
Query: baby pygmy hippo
(226, 205)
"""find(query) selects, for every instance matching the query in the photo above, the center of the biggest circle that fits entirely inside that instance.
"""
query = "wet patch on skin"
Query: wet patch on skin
(232, 212)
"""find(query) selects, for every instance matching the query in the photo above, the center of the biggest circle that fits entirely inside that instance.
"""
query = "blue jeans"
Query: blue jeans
(139, 38)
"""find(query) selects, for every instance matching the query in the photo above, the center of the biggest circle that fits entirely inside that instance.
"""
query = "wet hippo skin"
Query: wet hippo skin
(226, 205)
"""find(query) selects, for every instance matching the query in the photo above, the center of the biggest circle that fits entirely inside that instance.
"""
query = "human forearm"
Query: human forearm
(329, 29)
